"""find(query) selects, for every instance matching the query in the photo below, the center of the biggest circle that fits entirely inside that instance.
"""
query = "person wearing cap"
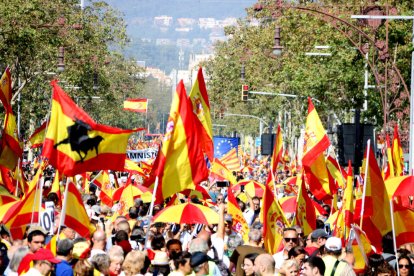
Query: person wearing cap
(199, 263)
(317, 239)
(334, 266)
(64, 254)
(43, 263)
(290, 240)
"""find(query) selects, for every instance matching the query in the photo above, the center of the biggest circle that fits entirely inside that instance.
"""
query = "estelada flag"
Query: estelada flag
(316, 139)
(201, 108)
(397, 153)
(273, 221)
(180, 164)
(38, 136)
(136, 105)
(74, 213)
(75, 143)
(6, 89)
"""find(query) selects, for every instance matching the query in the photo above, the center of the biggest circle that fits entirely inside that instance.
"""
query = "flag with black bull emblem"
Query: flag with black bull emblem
(75, 143)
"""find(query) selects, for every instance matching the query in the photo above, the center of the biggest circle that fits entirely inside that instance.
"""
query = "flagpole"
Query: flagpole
(393, 233)
(63, 212)
(151, 208)
(365, 182)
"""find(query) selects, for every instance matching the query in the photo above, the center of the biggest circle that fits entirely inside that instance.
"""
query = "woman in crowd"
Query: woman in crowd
(289, 268)
(182, 264)
(248, 264)
(297, 253)
(405, 266)
(133, 263)
(116, 257)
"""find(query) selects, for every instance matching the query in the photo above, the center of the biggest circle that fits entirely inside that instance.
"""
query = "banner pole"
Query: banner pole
(365, 183)
(151, 208)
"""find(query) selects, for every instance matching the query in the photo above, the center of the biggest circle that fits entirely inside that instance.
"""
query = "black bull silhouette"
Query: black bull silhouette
(79, 140)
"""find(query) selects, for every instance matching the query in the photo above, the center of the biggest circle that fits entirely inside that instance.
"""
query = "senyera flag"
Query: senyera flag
(75, 143)
(136, 105)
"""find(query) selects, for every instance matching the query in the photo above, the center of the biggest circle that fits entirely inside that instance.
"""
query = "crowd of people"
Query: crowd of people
(134, 245)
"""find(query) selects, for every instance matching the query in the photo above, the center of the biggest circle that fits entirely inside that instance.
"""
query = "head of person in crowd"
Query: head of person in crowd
(290, 238)
(83, 267)
(116, 258)
(36, 237)
(133, 212)
(348, 256)
(228, 224)
(64, 249)
(44, 261)
(174, 247)
(116, 223)
(101, 263)
(99, 240)
(385, 269)
(241, 204)
(313, 266)
(182, 262)
(199, 263)
(333, 246)
(388, 243)
(220, 198)
(289, 268)
(320, 224)
(374, 261)
(122, 239)
(17, 257)
(160, 263)
(255, 237)
(233, 242)
(198, 245)
(405, 266)
(158, 242)
(133, 263)
(138, 235)
(123, 225)
(256, 204)
(319, 237)
(264, 265)
(301, 235)
(248, 264)
(69, 233)
(298, 253)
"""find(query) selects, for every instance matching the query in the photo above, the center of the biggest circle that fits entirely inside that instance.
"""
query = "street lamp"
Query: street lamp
(411, 136)
(277, 49)
(61, 59)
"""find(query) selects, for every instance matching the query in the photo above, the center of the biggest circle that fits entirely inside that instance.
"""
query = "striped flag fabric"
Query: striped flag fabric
(103, 181)
(201, 108)
(136, 105)
(231, 161)
(75, 143)
(38, 136)
(389, 172)
(240, 225)
(6, 88)
(277, 150)
(218, 171)
(223, 145)
(404, 223)
(397, 153)
(305, 211)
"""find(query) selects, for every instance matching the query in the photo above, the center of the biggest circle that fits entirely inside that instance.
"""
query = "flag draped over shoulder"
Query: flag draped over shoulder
(136, 105)
(240, 225)
(201, 108)
(316, 139)
(38, 136)
(376, 213)
(397, 153)
(74, 214)
(180, 164)
(273, 221)
(75, 143)
(277, 150)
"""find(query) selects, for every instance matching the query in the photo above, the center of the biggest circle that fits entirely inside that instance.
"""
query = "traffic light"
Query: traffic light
(245, 92)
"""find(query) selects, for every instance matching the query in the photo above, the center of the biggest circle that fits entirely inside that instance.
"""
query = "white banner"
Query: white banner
(142, 155)
(47, 217)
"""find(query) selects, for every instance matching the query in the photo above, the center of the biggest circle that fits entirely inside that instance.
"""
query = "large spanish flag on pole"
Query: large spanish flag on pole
(136, 105)
(201, 107)
(240, 225)
(397, 153)
(75, 143)
(305, 211)
(277, 150)
(316, 139)
(180, 163)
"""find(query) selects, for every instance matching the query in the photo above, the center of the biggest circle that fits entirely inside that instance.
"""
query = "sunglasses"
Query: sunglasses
(295, 240)
(403, 266)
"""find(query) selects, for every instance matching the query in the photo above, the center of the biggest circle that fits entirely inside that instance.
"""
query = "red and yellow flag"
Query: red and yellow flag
(389, 172)
(103, 181)
(75, 143)
(56, 187)
(316, 139)
(376, 214)
(317, 178)
(230, 160)
(11, 149)
(180, 164)
(404, 223)
(336, 173)
(127, 200)
(132, 167)
(136, 105)
(397, 153)
(6, 179)
(201, 108)
(305, 215)
(6, 88)
(277, 151)
(74, 214)
(38, 136)
(240, 225)
(218, 171)
(273, 221)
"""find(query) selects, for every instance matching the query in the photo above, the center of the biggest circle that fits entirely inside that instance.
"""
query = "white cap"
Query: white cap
(333, 244)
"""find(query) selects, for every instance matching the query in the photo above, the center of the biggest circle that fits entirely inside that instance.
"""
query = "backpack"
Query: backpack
(220, 264)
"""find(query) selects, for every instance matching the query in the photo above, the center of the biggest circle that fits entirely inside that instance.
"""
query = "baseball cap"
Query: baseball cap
(44, 254)
(333, 244)
(198, 258)
(319, 233)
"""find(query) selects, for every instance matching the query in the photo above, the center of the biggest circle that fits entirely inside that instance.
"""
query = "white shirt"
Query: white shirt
(279, 259)
(33, 272)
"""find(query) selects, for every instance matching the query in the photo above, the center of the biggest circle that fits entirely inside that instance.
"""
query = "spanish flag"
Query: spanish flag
(316, 139)
(397, 153)
(6, 88)
(240, 225)
(180, 164)
(273, 221)
(201, 108)
(74, 213)
(75, 143)
(404, 223)
(305, 211)
(11, 149)
(277, 150)
(390, 169)
(218, 171)
(136, 105)
(6, 179)
(104, 183)
(38, 136)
